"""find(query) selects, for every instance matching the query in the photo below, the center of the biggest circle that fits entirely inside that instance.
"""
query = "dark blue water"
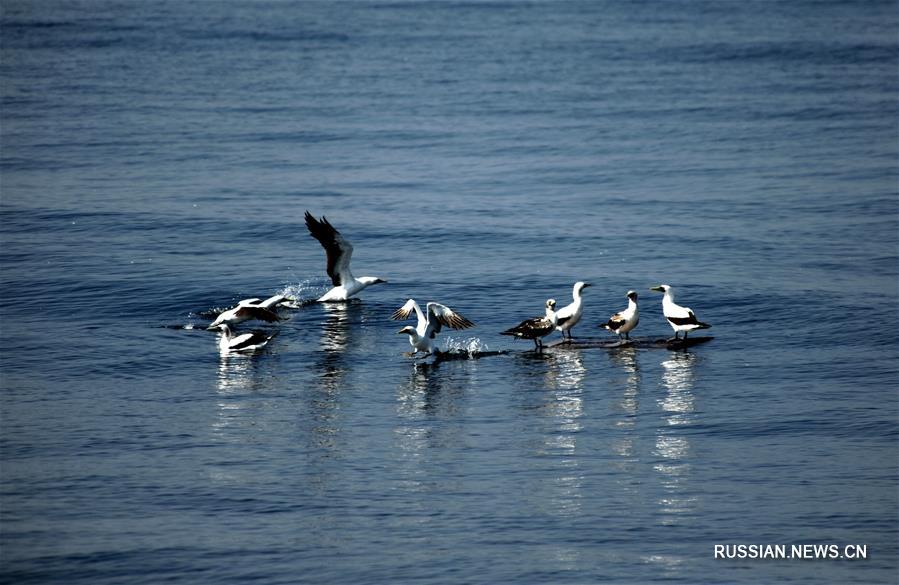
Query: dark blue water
(157, 158)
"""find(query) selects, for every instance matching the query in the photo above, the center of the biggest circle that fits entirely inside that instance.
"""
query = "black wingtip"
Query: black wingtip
(321, 227)
(461, 322)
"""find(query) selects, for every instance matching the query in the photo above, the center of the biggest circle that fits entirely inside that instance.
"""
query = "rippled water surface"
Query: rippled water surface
(156, 162)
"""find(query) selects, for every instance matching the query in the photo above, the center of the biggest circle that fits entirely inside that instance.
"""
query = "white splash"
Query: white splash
(305, 291)
(470, 345)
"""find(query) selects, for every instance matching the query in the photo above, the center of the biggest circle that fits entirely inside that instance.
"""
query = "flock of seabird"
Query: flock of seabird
(339, 252)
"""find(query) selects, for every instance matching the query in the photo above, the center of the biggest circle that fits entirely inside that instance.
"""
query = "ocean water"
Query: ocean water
(157, 159)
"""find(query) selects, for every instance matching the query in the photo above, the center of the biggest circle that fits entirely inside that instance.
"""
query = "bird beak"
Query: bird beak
(211, 328)
(657, 289)
(403, 330)
(586, 284)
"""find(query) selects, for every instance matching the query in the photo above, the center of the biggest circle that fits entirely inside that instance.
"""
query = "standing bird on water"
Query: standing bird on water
(569, 316)
(624, 322)
(422, 337)
(339, 252)
(536, 328)
(680, 318)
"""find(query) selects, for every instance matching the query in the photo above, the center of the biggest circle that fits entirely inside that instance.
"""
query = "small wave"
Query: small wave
(210, 313)
(183, 327)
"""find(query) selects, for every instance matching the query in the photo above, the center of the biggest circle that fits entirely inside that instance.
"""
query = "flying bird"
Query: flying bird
(536, 328)
(339, 252)
(422, 336)
(243, 342)
(570, 315)
(249, 309)
(680, 318)
(624, 322)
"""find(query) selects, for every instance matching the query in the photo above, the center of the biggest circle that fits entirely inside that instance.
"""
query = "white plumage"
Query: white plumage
(624, 322)
(339, 252)
(569, 316)
(422, 336)
(680, 318)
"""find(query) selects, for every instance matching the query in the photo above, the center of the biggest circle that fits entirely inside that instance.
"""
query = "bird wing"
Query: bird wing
(565, 312)
(253, 312)
(531, 328)
(241, 341)
(615, 322)
(271, 301)
(405, 311)
(439, 315)
(686, 318)
(338, 249)
(248, 340)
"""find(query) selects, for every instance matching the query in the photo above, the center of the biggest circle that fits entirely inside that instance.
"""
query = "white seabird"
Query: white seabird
(680, 318)
(422, 336)
(249, 309)
(536, 328)
(567, 317)
(624, 322)
(339, 252)
(243, 342)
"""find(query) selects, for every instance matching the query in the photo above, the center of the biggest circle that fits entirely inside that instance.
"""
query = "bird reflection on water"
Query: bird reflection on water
(551, 388)
(324, 397)
(430, 408)
(627, 406)
(242, 385)
(435, 389)
(238, 377)
(678, 379)
(672, 449)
